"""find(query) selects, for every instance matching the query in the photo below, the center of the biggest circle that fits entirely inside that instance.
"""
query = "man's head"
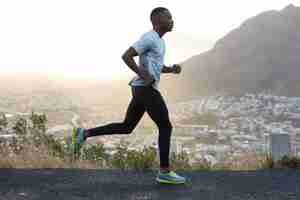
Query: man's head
(162, 18)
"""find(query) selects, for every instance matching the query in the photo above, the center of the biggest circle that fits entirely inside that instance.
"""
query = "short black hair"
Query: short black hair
(157, 11)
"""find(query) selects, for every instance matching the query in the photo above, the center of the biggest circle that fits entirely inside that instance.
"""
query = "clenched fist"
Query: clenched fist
(176, 69)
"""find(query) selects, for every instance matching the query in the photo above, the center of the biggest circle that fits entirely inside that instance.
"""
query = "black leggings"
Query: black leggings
(144, 99)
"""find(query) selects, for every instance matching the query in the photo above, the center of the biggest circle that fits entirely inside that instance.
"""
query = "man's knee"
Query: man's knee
(128, 129)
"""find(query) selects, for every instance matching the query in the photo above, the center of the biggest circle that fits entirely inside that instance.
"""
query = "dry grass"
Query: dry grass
(247, 161)
(33, 157)
(40, 157)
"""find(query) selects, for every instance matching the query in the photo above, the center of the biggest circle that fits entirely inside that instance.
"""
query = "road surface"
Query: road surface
(46, 184)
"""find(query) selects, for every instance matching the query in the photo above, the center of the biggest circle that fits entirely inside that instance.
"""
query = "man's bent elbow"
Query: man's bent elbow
(125, 57)
(129, 54)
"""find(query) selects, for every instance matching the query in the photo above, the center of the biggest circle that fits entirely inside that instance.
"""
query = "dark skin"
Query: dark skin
(162, 24)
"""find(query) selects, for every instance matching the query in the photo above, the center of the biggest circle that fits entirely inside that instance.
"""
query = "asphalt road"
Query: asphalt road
(56, 184)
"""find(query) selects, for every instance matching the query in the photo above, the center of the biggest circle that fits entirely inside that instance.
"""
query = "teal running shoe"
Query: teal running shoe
(77, 139)
(170, 178)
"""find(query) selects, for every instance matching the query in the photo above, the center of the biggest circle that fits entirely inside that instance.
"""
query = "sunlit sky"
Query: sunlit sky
(86, 38)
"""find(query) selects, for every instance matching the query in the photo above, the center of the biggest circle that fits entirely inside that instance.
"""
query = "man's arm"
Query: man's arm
(128, 59)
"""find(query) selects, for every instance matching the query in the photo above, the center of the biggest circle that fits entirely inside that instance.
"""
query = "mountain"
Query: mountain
(262, 54)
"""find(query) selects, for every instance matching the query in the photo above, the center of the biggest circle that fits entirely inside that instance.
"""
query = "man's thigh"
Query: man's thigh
(157, 109)
(135, 111)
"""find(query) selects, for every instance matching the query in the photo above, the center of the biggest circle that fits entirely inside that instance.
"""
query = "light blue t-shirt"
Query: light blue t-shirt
(151, 50)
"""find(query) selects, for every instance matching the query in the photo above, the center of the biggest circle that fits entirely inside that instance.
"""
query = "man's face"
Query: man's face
(165, 21)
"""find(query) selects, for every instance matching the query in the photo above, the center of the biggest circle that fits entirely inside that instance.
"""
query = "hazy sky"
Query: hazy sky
(87, 38)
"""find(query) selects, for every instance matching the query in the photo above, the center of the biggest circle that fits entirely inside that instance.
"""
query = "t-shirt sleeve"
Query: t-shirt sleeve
(143, 44)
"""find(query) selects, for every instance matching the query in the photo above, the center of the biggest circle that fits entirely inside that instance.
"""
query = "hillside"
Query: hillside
(261, 54)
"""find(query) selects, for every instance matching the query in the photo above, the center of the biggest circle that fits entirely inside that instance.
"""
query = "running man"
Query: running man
(145, 93)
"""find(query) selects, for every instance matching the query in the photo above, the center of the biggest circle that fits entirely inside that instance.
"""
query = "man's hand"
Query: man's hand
(146, 76)
(176, 69)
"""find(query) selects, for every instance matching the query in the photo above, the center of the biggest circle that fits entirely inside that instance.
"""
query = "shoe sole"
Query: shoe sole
(168, 182)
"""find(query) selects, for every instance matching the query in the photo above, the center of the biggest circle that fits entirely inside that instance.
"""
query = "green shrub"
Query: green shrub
(289, 161)
(119, 158)
(95, 152)
(55, 147)
(180, 161)
(32, 132)
(142, 160)
(38, 121)
(3, 121)
(265, 161)
(133, 159)
(21, 126)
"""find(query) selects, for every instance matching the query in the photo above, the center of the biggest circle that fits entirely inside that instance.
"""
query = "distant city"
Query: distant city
(208, 128)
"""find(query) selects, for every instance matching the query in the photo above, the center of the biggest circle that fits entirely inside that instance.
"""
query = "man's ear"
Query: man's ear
(155, 20)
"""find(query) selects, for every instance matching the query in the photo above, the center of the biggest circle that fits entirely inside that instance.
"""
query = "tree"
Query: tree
(21, 127)
(3, 121)
(38, 121)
